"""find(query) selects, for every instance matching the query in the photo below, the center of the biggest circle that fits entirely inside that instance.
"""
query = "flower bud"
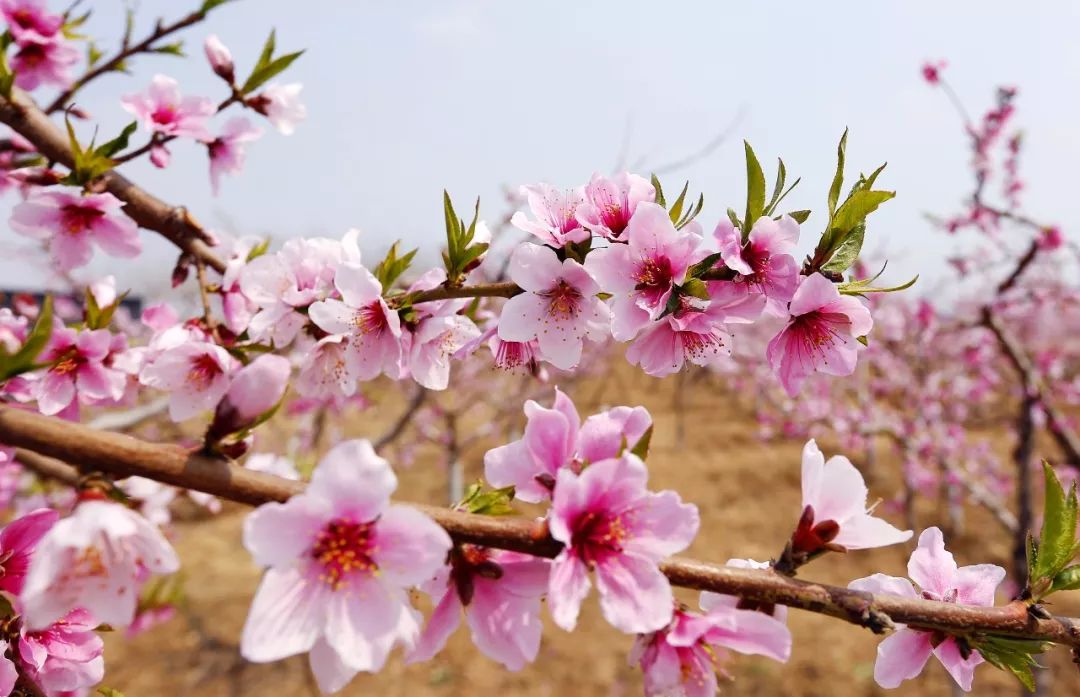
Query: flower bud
(220, 58)
(258, 386)
(160, 156)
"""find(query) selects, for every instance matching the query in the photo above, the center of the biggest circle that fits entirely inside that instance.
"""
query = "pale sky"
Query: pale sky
(407, 98)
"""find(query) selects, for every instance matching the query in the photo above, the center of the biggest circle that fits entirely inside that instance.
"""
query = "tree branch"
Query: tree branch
(123, 456)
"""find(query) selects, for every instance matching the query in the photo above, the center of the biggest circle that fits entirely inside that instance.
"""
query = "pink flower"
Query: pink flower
(611, 524)
(30, 20)
(254, 390)
(511, 355)
(500, 594)
(371, 328)
(235, 306)
(693, 334)
(281, 284)
(684, 658)
(13, 330)
(94, 559)
(18, 540)
(432, 343)
(834, 500)
(820, 334)
(340, 559)
(931, 71)
(281, 105)
(1051, 238)
(227, 150)
(71, 221)
(642, 273)
(555, 438)
(77, 371)
(556, 215)
(162, 109)
(326, 369)
(610, 203)
(765, 261)
(65, 656)
(220, 59)
(40, 61)
(160, 156)
(559, 307)
(902, 655)
(196, 374)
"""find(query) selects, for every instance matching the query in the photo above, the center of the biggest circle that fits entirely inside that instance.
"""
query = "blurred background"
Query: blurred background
(406, 99)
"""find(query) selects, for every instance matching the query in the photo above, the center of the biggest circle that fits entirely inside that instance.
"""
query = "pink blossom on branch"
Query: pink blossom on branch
(372, 331)
(499, 593)
(611, 524)
(66, 656)
(71, 221)
(902, 655)
(555, 438)
(556, 215)
(821, 334)
(220, 58)
(227, 150)
(642, 273)
(558, 307)
(162, 109)
(30, 20)
(610, 203)
(282, 106)
(196, 374)
(340, 559)
(834, 499)
(765, 261)
(685, 657)
(44, 62)
(77, 371)
(94, 559)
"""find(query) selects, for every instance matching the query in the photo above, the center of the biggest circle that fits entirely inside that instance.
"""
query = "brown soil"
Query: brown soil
(748, 495)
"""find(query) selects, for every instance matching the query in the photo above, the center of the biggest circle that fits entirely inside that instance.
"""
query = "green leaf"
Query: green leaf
(755, 189)
(855, 209)
(699, 269)
(259, 249)
(491, 502)
(22, 361)
(118, 143)
(1016, 656)
(390, 268)
(799, 216)
(1068, 579)
(1058, 536)
(109, 692)
(100, 317)
(659, 192)
(641, 448)
(695, 288)
(93, 54)
(268, 71)
(211, 4)
(268, 50)
(838, 178)
(863, 287)
(675, 212)
(778, 187)
(848, 251)
(173, 49)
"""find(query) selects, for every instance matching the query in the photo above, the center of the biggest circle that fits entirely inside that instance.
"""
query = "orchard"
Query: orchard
(926, 434)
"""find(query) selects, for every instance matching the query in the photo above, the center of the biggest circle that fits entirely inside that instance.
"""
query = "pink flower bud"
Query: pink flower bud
(258, 387)
(160, 156)
(220, 58)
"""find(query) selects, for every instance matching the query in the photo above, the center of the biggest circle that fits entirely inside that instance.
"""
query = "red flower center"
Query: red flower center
(598, 534)
(203, 370)
(341, 548)
(76, 220)
(370, 319)
(564, 300)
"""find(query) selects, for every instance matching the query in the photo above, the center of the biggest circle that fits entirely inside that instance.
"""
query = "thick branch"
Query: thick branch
(122, 456)
(174, 222)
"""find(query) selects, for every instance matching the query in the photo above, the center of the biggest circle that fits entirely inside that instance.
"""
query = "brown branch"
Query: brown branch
(417, 401)
(173, 222)
(126, 51)
(123, 456)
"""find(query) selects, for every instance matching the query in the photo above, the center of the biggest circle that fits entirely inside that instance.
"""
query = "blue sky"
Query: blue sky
(407, 98)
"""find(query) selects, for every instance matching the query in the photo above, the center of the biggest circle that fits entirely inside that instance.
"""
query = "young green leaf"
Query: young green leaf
(118, 143)
(848, 251)
(675, 212)
(755, 189)
(24, 359)
(800, 216)
(392, 266)
(659, 192)
(491, 502)
(1058, 536)
(641, 448)
(838, 178)
(1016, 656)
(855, 209)
(261, 75)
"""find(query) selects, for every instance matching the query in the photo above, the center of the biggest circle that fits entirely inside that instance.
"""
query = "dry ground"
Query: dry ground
(748, 494)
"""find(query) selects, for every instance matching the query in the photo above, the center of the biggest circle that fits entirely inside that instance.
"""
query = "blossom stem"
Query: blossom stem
(42, 438)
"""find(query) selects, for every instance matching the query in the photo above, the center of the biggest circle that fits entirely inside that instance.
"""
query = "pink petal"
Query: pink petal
(931, 565)
(865, 531)
(843, 492)
(521, 317)
(753, 633)
(634, 596)
(277, 534)
(962, 670)
(976, 584)
(357, 285)
(814, 292)
(567, 588)
(661, 525)
(901, 656)
(512, 465)
(409, 546)
(331, 673)
(355, 480)
(881, 583)
(504, 627)
(534, 267)
(443, 622)
(363, 624)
